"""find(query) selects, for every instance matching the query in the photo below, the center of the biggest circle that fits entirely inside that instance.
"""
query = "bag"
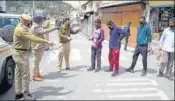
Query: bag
(159, 59)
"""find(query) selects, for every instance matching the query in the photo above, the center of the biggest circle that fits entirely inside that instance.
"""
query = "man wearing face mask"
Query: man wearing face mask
(22, 39)
(116, 35)
(38, 48)
(167, 48)
(96, 48)
(144, 38)
(64, 46)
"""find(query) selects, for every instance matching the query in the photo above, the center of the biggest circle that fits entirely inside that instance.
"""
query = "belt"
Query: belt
(22, 49)
(65, 41)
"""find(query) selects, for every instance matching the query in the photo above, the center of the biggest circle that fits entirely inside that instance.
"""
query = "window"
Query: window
(8, 21)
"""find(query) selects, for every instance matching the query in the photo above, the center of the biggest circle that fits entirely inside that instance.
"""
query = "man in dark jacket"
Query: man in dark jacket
(127, 30)
(116, 35)
(143, 44)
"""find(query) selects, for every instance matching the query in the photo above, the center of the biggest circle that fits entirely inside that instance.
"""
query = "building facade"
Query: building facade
(122, 12)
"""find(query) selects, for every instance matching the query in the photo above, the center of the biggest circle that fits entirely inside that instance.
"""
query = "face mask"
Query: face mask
(172, 27)
(141, 22)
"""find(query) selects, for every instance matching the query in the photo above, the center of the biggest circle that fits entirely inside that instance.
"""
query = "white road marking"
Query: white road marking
(133, 79)
(126, 84)
(163, 95)
(134, 95)
(53, 81)
(75, 55)
(124, 90)
(154, 82)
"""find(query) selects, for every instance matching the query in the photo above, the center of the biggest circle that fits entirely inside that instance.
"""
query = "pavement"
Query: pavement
(79, 84)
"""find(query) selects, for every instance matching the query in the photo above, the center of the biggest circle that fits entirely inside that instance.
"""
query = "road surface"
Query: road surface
(78, 84)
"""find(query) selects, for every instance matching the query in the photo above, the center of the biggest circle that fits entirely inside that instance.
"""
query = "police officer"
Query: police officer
(64, 46)
(46, 24)
(21, 43)
(38, 48)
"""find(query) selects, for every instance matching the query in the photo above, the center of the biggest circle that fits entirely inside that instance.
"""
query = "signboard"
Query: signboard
(157, 3)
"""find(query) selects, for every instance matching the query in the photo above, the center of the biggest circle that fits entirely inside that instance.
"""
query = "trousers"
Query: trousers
(64, 51)
(113, 57)
(95, 55)
(22, 73)
(167, 61)
(126, 42)
(143, 49)
(37, 55)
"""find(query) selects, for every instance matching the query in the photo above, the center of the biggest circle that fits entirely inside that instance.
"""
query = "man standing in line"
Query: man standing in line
(127, 29)
(167, 46)
(46, 24)
(22, 40)
(116, 35)
(64, 46)
(144, 38)
(38, 48)
(96, 48)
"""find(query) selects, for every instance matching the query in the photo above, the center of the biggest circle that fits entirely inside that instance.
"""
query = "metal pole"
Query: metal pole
(33, 11)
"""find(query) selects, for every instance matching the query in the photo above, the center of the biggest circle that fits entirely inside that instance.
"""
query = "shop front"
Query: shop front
(160, 14)
(121, 15)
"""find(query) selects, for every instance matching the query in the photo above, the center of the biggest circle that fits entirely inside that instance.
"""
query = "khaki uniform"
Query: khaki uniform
(46, 25)
(22, 40)
(64, 46)
(38, 48)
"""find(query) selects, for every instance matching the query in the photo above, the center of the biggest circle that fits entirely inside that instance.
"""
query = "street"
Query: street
(79, 84)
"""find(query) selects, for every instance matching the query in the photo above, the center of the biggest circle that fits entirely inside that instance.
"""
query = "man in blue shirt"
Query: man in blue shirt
(144, 39)
(116, 35)
(127, 30)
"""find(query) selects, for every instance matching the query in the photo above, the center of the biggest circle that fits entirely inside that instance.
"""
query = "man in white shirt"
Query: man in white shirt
(167, 49)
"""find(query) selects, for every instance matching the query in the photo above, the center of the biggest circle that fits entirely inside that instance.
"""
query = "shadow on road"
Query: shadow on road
(56, 75)
(78, 68)
(149, 70)
(8, 95)
(45, 91)
(121, 69)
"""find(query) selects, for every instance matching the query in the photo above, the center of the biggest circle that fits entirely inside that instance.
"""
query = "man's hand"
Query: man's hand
(69, 38)
(160, 49)
(50, 43)
(90, 38)
(149, 47)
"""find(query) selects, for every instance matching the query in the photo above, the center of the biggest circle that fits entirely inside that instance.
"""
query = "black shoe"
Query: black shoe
(160, 75)
(19, 96)
(130, 70)
(67, 68)
(144, 73)
(90, 69)
(97, 70)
